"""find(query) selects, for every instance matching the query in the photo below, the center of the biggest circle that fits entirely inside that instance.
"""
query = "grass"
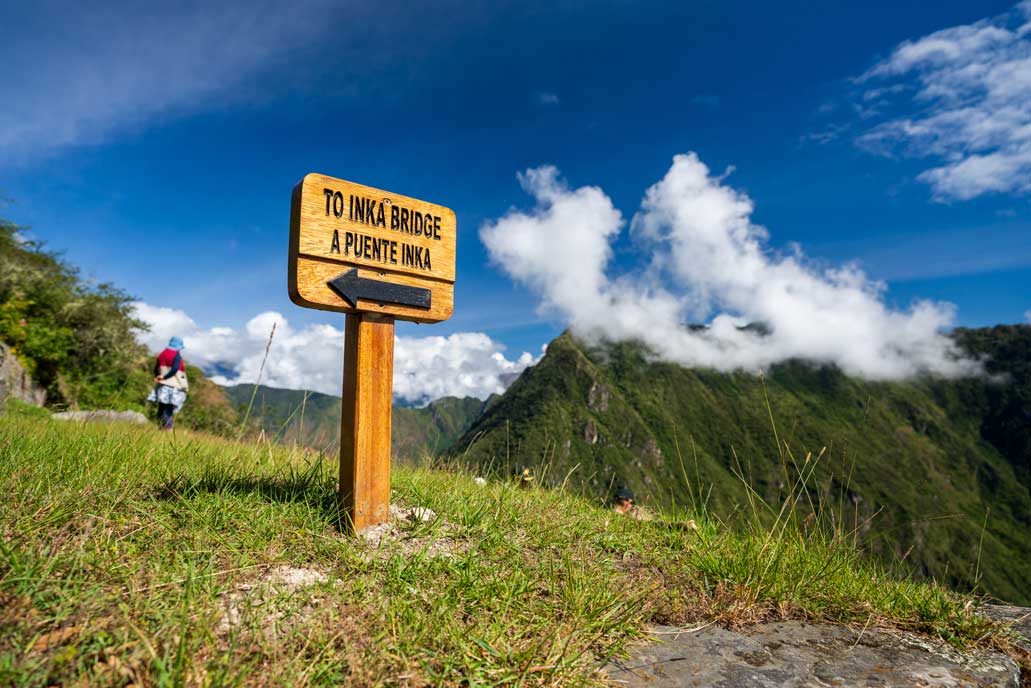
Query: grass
(121, 549)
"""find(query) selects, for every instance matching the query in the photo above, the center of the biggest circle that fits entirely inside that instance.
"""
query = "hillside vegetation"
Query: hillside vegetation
(930, 472)
(131, 556)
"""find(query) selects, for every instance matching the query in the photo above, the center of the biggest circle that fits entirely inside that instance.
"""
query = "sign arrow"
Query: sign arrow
(352, 287)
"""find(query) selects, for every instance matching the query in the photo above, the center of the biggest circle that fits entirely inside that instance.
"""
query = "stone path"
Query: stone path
(796, 654)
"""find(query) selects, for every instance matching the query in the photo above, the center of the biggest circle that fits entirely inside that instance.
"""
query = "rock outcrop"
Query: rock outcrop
(15, 381)
(802, 654)
(1019, 618)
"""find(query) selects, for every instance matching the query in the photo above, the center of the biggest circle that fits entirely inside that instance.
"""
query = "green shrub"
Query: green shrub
(75, 337)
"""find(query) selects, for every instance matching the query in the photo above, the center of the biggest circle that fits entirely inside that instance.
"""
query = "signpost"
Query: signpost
(377, 257)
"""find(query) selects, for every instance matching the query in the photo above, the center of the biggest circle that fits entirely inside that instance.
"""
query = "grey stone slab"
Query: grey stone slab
(1019, 618)
(795, 654)
(102, 416)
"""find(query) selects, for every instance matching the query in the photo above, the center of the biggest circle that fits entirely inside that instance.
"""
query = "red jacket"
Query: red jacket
(165, 360)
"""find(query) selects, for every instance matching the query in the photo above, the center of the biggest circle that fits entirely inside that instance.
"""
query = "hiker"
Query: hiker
(170, 383)
(623, 504)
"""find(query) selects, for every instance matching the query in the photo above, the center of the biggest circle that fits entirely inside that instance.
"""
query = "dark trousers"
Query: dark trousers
(166, 415)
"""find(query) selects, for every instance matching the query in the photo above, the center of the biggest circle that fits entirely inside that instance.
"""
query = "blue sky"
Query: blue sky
(158, 151)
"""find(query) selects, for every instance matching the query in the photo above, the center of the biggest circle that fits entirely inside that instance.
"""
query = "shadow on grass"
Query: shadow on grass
(287, 486)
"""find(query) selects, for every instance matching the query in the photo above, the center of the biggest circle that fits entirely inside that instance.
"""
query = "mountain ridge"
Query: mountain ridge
(930, 471)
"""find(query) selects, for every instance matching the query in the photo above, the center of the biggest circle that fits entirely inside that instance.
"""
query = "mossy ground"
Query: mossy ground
(120, 546)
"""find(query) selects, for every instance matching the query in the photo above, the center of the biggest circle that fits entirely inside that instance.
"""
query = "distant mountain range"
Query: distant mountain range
(935, 473)
(313, 420)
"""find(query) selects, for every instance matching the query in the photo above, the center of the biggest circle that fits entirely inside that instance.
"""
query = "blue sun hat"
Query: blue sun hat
(176, 343)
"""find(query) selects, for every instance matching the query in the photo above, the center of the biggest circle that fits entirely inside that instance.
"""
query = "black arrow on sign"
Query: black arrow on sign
(352, 287)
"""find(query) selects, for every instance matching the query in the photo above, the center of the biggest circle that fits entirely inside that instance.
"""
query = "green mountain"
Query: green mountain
(313, 420)
(931, 472)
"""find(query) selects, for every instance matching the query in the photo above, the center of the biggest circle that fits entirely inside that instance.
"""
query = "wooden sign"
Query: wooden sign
(376, 256)
(354, 249)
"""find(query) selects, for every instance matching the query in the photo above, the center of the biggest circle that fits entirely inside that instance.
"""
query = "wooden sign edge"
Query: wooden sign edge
(293, 253)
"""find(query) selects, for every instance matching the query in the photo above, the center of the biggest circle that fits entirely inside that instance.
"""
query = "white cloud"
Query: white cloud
(545, 98)
(1027, 317)
(706, 260)
(425, 368)
(461, 364)
(81, 70)
(969, 108)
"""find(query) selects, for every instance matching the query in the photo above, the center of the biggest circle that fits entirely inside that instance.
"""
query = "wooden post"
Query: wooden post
(365, 421)
(376, 256)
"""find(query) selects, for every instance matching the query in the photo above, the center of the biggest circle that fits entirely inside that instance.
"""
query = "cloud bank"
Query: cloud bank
(705, 260)
(425, 368)
(961, 95)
